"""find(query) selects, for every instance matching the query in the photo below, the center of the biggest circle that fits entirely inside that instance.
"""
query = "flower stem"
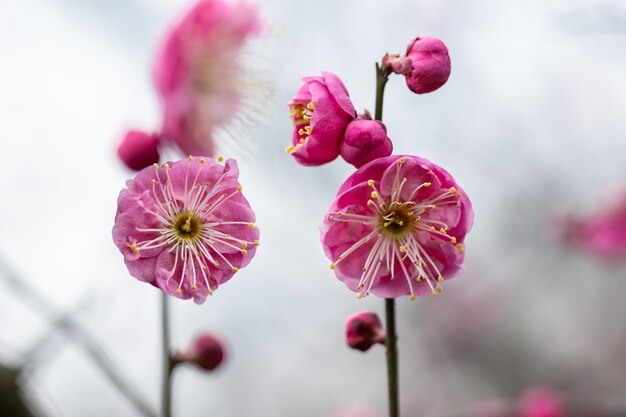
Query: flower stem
(168, 362)
(381, 82)
(390, 303)
(392, 357)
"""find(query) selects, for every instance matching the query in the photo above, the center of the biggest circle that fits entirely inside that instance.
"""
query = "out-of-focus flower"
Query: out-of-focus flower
(540, 402)
(197, 72)
(363, 330)
(426, 64)
(601, 233)
(320, 111)
(364, 141)
(139, 149)
(206, 351)
(397, 227)
(185, 227)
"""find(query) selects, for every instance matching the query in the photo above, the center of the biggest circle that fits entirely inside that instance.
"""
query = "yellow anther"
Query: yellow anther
(155, 165)
(401, 161)
(133, 247)
(220, 158)
(423, 211)
(459, 195)
(244, 245)
(244, 251)
(459, 246)
(306, 118)
(452, 190)
(434, 292)
(412, 297)
(419, 279)
(432, 228)
(194, 288)
(440, 278)
(240, 188)
(179, 291)
(433, 206)
(404, 179)
(427, 184)
(290, 149)
(257, 243)
(210, 291)
(402, 249)
(308, 130)
(374, 194)
(339, 213)
(364, 269)
(301, 132)
(340, 258)
(370, 203)
(331, 217)
(235, 269)
(370, 183)
(190, 157)
(153, 181)
(439, 289)
(251, 225)
(310, 106)
(216, 263)
(166, 166)
(442, 230)
(359, 296)
(332, 265)
(453, 239)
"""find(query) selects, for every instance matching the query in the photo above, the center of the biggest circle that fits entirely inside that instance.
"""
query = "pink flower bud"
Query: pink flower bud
(430, 64)
(364, 141)
(364, 330)
(206, 352)
(139, 149)
(541, 402)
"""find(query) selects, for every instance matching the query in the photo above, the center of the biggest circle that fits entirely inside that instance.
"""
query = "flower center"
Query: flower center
(395, 221)
(187, 226)
(301, 116)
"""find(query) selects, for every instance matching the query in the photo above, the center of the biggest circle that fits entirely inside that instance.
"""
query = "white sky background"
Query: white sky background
(530, 122)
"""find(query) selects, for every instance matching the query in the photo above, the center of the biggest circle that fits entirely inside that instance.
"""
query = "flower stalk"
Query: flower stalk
(168, 362)
(390, 303)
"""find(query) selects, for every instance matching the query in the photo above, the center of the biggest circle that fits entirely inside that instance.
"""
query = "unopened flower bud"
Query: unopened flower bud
(206, 352)
(364, 330)
(430, 64)
(139, 149)
(364, 141)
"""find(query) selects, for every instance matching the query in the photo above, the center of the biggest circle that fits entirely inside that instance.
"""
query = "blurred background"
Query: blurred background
(531, 124)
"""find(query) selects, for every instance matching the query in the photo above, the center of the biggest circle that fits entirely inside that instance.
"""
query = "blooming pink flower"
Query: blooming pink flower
(397, 227)
(206, 351)
(185, 227)
(321, 111)
(139, 149)
(197, 71)
(430, 64)
(541, 402)
(364, 141)
(363, 330)
(601, 233)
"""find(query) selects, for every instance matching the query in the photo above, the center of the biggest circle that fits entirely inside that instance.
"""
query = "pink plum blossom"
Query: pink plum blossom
(601, 233)
(320, 111)
(139, 149)
(185, 227)
(429, 65)
(364, 141)
(363, 330)
(541, 402)
(197, 70)
(397, 227)
(206, 351)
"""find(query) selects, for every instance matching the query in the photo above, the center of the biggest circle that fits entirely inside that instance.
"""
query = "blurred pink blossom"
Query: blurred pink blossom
(601, 233)
(320, 111)
(185, 227)
(397, 227)
(197, 70)
(540, 402)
